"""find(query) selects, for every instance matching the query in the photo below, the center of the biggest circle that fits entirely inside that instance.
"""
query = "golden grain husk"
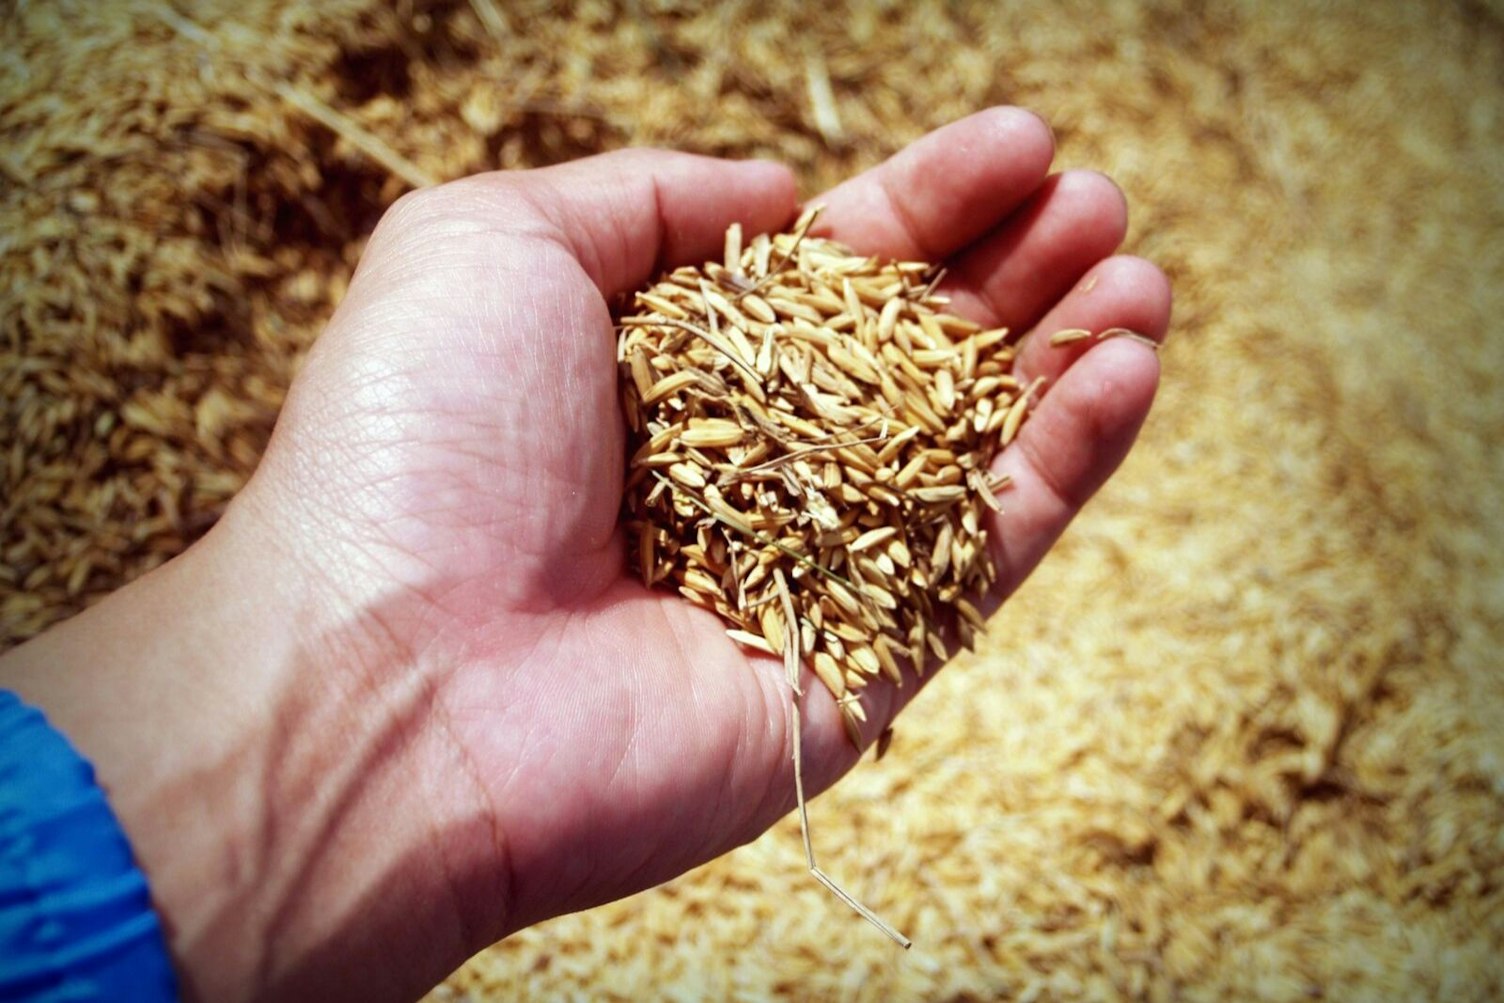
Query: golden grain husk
(818, 414)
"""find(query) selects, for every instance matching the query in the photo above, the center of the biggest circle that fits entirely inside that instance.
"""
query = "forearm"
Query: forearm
(259, 801)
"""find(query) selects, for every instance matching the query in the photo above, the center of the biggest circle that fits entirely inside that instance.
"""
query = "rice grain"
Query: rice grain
(846, 451)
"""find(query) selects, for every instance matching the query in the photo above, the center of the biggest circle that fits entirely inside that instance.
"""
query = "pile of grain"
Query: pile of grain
(1237, 737)
(741, 380)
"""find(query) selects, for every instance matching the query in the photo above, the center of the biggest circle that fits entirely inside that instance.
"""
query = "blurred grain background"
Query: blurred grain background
(1241, 736)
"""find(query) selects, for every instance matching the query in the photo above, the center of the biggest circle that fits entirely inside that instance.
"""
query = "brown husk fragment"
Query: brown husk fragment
(802, 409)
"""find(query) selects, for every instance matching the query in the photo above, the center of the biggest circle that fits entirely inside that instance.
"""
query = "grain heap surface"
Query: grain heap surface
(809, 437)
(1238, 737)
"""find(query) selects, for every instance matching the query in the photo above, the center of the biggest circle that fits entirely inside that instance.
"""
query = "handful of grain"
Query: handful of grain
(810, 438)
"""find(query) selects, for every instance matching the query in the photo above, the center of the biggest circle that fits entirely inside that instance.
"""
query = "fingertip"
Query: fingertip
(759, 195)
(1146, 286)
(1027, 130)
(1097, 197)
(773, 195)
(630, 213)
(1122, 291)
(1119, 293)
(775, 178)
(701, 196)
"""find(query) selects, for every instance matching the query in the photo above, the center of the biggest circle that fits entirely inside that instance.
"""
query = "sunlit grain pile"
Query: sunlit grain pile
(810, 435)
(1238, 737)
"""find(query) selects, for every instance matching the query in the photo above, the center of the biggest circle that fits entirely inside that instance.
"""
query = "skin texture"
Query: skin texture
(405, 699)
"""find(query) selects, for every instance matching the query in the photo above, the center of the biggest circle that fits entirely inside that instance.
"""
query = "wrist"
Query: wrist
(220, 745)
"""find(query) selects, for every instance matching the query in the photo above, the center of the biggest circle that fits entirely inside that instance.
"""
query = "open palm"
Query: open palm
(451, 459)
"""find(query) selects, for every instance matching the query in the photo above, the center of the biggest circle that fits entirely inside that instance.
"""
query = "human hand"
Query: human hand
(445, 710)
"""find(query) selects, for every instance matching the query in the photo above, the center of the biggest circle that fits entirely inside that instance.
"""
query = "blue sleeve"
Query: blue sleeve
(76, 920)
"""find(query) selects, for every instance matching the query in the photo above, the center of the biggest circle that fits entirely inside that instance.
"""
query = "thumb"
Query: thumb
(628, 215)
(623, 216)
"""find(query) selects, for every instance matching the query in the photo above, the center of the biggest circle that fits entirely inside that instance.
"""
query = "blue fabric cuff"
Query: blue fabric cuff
(76, 919)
